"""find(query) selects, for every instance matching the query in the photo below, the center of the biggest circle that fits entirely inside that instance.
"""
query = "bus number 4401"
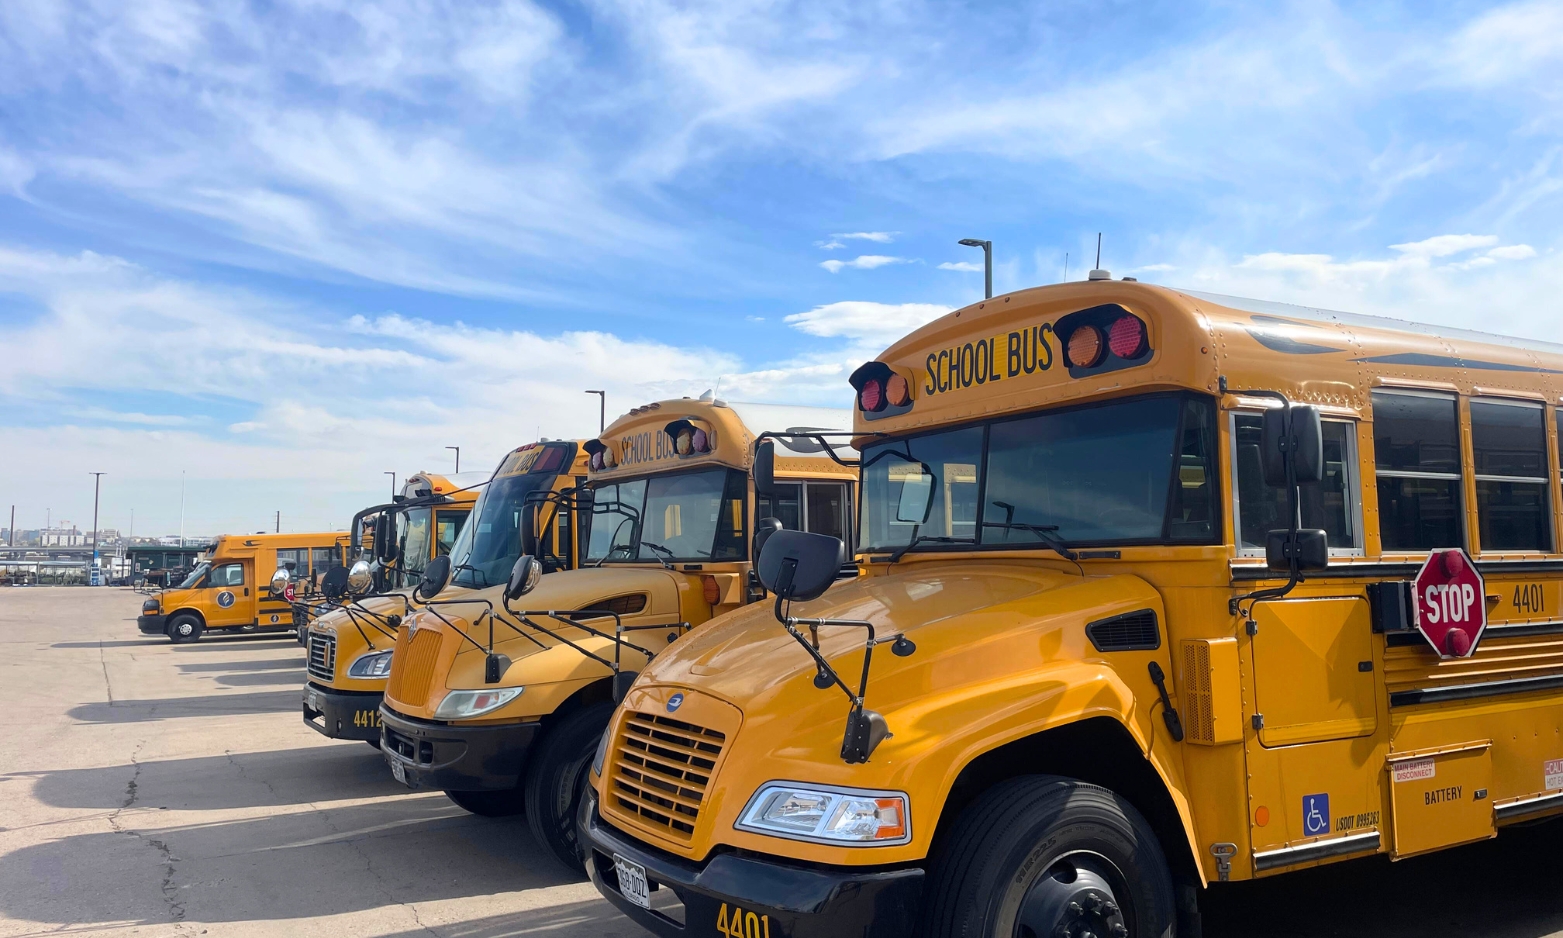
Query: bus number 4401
(741, 924)
(1528, 598)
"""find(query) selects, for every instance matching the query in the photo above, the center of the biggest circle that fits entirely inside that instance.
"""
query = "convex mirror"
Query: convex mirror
(800, 566)
(523, 577)
(360, 579)
(280, 581)
(333, 584)
(435, 575)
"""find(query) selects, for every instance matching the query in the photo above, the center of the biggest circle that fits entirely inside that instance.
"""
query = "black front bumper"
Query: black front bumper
(342, 714)
(788, 901)
(152, 625)
(451, 757)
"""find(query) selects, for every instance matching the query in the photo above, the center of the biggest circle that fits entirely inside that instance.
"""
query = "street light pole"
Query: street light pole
(97, 479)
(458, 456)
(987, 263)
(393, 483)
(602, 414)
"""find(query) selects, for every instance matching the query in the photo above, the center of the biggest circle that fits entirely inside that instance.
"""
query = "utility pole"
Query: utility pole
(13, 526)
(279, 521)
(987, 263)
(602, 414)
(181, 509)
(97, 479)
(458, 456)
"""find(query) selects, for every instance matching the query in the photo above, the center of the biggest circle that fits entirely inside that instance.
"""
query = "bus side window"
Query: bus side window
(229, 574)
(827, 510)
(785, 504)
(1509, 441)
(325, 559)
(1191, 516)
(1330, 504)
(1416, 456)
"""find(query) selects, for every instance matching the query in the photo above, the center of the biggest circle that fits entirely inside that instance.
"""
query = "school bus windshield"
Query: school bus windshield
(490, 543)
(1128, 471)
(194, 577)
(691, 516)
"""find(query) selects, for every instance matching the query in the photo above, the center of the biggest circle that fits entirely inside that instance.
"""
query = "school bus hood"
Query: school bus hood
(746, 656)
(1000, 645)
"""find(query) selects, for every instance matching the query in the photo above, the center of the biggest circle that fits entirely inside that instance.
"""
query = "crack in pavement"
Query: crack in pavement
(170, 890)
(352, 843)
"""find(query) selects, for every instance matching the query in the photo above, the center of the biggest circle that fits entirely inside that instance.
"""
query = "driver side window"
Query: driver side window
(227, 575)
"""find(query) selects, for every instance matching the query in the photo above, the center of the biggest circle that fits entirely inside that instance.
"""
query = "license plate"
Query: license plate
(399, 772)
(314, 700)
(632, 881)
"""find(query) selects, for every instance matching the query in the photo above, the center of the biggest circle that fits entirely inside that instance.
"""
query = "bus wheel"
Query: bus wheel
(1043, 856)
(557, 776)
(503, 803)
(186, 628)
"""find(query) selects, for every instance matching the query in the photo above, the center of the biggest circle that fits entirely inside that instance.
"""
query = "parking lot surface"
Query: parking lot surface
(152, 789)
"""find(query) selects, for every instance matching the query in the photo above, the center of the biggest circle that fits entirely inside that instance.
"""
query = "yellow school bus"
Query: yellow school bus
(471, 518)
(1134, 621)
(230, 588)
(500, 698)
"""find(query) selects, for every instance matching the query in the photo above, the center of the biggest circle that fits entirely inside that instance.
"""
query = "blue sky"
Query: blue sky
(283, 247)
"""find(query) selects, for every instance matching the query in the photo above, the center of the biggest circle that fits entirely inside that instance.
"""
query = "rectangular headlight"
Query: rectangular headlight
(375, 664)
(465, 704)
(851, 817)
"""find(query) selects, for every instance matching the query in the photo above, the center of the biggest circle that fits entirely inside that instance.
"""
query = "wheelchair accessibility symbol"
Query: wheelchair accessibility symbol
(1316, 815)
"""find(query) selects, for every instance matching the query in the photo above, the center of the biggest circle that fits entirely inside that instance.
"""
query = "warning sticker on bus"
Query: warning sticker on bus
(1414, 770)
(1553, 770)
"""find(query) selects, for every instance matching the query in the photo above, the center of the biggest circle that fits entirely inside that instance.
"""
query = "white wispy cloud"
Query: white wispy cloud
(967, 266)
(831, 245)
(1445, 245)
(863, 262)
(880, 323)
(879, 237)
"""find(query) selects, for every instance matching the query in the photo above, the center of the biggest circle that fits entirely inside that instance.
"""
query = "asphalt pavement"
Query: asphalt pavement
(161, 790)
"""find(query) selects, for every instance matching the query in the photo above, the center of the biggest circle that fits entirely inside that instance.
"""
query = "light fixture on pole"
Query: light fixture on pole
(458, 456)
(393, 483)
(987, 263)
(602, 415)
(97, 480)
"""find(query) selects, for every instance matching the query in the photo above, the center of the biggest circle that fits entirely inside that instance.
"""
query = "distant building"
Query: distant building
(62, 536)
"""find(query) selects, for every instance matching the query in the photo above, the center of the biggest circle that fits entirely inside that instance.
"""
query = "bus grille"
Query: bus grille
(661, 768)
(412, 666)
(322, 655)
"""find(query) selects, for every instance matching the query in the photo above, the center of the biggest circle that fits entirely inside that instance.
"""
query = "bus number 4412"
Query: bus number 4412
(741, 924)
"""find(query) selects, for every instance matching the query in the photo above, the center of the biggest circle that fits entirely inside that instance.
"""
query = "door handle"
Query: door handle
(246, 591)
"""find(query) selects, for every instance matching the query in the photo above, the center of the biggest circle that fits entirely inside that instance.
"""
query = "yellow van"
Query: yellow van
(472, 519)
(230, 588)
(1155, 597)
(499, 698)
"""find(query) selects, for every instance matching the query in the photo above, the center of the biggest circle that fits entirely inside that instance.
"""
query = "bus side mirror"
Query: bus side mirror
(360, 579)
(333, 585)
(528, 520)
(763, 529)
(765, 467)
(1310, 546)
(280, 581)
(1305, 444)
(799, 565)
(523, 577)
(384, 538)
(434, 576)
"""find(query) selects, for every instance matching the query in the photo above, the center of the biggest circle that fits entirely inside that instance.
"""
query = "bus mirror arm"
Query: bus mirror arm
(865, 728)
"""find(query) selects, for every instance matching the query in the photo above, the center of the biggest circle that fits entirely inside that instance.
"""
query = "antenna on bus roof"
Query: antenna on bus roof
(1098, 273)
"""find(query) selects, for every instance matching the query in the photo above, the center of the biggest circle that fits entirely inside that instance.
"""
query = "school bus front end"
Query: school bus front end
(1102, 675)
(351, 646)
(500, 702)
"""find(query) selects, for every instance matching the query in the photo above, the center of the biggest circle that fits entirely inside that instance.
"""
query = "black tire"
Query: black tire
(185, 628)
(556, 778)
(505, 803)
(1042, 855)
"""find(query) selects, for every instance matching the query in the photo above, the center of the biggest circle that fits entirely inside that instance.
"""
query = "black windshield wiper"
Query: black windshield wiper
(929, 539)
(661, 550)
(1047, 532)
(480, 573)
